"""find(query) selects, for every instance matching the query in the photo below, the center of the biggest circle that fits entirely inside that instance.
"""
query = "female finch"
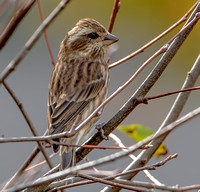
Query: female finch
(79, 84)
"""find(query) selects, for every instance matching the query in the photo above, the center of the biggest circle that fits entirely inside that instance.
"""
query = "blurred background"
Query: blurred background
(137, 23)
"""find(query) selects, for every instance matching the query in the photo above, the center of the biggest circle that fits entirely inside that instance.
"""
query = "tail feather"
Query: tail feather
(67, 159)
(56, 147)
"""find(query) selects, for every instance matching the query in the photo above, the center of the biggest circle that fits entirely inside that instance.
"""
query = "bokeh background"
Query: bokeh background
(137, 23)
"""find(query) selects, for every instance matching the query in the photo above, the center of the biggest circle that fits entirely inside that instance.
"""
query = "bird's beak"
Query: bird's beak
(109, 39)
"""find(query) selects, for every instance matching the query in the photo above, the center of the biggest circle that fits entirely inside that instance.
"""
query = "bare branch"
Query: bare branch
(45, 34)
(114, 14)
(28, 121)
(112, 183)
(146, 99)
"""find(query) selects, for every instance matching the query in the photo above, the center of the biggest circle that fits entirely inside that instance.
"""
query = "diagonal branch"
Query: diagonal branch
(113, 15)
(45, 34)
(28, 121)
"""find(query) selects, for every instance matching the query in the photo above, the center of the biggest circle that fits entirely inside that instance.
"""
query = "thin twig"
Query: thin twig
(146, 99)
(45, 34)
(152, 186)
(190, 187)
(40, 148)
(51, 137)
(113, 15)
(28, 121)
(113, 183)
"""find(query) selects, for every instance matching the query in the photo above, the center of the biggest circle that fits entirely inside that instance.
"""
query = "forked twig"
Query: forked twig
(113, 15)
(45, 34)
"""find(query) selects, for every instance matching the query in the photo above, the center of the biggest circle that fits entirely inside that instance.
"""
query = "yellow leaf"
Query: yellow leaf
(138, 132)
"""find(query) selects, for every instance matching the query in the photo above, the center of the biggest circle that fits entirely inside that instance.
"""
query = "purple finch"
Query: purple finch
(79, 84)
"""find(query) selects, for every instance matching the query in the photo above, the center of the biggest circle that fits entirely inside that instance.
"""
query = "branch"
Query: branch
(95, 179)
(114, 14)
(45, 34)
(28, 121)
(146, 99)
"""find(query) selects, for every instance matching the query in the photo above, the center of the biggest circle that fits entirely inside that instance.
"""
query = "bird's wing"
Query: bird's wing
(66, 109)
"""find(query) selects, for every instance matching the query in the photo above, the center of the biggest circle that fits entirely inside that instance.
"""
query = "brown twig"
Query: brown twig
(190, 187)
(14, 22)
(148, 167)
(95, 179)
(40, 163)
(140, 50)
(28, 121)
(89, 146)
(175, 188)
(40, 148)
(113, 15)
(146, 99)
(45, 34)
(51, 137)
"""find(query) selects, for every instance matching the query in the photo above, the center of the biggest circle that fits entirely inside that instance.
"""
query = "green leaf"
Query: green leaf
(138, 132)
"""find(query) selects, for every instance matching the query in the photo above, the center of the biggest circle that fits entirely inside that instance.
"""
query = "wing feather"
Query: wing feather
(65, 110)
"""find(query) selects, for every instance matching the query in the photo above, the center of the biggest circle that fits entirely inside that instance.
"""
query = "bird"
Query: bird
(78, 85)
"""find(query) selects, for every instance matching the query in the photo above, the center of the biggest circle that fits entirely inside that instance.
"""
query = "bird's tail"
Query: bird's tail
(67, 158)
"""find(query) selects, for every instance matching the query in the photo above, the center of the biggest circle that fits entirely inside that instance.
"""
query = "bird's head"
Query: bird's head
(89, 37)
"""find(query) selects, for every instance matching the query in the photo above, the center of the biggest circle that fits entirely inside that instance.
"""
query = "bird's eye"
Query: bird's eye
(93, 35)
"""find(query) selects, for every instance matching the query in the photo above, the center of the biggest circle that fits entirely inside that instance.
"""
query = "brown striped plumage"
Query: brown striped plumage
(79, 83)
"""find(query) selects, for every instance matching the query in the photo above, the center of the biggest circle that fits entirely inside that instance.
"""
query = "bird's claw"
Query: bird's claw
(101, 131)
